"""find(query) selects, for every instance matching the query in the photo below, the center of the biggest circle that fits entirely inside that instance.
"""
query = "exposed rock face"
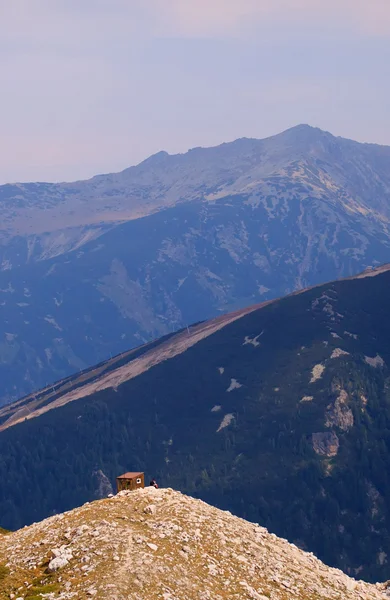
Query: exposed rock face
(221, 228)
(339, 414)
(375, 499)
(376, 361)
(316, 373)
(103, 485)
(307, 398)
(326, 444)
(61, 559)
(183, 549)
(337, 352)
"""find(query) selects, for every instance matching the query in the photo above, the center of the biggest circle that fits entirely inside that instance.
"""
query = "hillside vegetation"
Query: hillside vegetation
(280, 414)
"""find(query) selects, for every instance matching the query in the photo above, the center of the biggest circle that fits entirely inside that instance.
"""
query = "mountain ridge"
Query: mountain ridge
(301, 134)
(301, 127)
(176, 344)
(105, 265)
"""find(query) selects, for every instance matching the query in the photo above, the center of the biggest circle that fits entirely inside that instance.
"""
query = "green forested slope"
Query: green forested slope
(282, 417)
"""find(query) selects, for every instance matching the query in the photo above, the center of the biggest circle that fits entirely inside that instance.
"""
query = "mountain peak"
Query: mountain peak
(161, 544)
(304, 133)
(305, 127)
(155, 159)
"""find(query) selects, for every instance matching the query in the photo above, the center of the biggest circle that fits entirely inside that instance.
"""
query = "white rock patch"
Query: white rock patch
(10, 337)
(328, 309)
(216, 408)
(251, 592)
(324, 297)
(234, 385)
(337, 352)
(317, 372)
(225, 421)
(254, 341)
(335, 335)
(152, 546)
(53, 322)
(221, 370)
(375, 362)
(307, 399)
(352, 335)
(62, 556)
(263, 289)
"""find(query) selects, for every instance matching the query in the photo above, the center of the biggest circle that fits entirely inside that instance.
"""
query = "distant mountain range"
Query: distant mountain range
(279, 413)
(96, 267)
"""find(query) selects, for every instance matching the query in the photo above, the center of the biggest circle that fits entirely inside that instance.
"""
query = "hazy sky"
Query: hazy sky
(91, 86)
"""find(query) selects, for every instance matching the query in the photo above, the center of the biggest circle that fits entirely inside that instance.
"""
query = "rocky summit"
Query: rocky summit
(96, 267)
(160, 544)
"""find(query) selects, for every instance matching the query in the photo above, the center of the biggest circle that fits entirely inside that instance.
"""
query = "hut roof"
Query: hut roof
(130, 475)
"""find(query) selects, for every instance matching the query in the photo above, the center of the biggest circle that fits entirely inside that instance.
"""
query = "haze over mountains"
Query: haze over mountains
(279, 413)
(99, 266)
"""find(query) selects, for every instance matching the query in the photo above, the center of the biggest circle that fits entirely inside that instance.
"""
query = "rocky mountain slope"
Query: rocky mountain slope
(160, 544)
(95, 267)
(279, 413)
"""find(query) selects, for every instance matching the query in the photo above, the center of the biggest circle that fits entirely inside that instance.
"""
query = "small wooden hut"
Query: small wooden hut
(130, 481)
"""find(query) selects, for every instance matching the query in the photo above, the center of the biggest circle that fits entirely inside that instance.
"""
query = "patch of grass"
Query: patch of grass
(44, 580)
(36, 592)
(45, 584)
(4, 571)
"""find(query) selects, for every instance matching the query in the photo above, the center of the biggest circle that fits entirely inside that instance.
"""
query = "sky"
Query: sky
(94, 86)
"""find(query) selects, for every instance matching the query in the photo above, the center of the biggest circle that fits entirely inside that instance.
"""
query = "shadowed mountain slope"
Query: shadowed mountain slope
(96, 267)
(279, 413)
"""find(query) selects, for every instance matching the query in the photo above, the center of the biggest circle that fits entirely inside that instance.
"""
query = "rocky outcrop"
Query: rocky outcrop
(61, 559)
(103, 485)
(325, 444)
(375, 361)
(339, 413)
(159, 544)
